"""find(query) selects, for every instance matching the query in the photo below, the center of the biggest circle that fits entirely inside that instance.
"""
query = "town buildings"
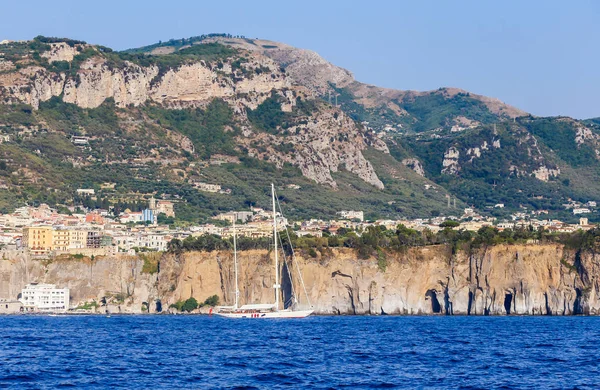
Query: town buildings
(45, 233)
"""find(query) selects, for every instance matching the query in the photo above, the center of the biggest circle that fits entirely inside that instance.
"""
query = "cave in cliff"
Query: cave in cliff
(435, 304)
(577, 304)
(508, 299)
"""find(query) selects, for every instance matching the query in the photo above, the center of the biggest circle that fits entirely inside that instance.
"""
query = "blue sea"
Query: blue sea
(317, 352)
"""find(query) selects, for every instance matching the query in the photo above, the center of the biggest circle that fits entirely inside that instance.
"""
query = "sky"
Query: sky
(540, 56)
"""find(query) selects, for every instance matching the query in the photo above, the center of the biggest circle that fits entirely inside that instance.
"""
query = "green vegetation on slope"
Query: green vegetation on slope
(435, 110)
(206, 128)
(559, 135)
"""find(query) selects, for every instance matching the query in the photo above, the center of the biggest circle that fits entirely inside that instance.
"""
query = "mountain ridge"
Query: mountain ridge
(197, 103)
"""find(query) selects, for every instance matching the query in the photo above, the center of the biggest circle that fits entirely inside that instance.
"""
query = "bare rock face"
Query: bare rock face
(311, 70)
(132, 84)
(415, 165)
(61, 51)
(6, 66)
(500, 280)
(30, 86)
(96, 83)
(318, 148)
(520, 279)
(543, 173)
(450, 163)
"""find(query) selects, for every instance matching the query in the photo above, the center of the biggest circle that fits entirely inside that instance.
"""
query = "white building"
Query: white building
(45, 298)
(86, 191)
(157, 242)
(351, 214)
(79, 140)
(581, 210)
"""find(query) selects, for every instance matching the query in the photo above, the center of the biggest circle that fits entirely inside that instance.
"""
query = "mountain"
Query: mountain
(480, 149)
(129, 125)
(169, 118)
(408, 111)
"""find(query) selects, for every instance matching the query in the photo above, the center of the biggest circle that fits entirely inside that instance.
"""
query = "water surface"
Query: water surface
(316, 352)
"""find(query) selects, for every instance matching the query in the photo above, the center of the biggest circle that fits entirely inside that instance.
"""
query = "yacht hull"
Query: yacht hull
(265, 315)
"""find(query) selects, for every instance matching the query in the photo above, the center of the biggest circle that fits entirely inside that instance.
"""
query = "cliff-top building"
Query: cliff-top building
(38, 239)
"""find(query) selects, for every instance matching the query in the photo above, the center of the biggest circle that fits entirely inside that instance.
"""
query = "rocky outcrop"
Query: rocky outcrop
(543, 173)
(61, 51)
(318, 148)
(415, 165)
(519, 279)
(119, 281)
(499, 280)
(305, 66)
(450, 163)
(6, 66)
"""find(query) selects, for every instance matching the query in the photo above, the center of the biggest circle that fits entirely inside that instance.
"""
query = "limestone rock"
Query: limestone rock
(415, 165)
(61, 51)
(543, 173)
(450, 163)
(499, 280)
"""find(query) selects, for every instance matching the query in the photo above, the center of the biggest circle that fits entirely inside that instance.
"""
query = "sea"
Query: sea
(209, 352)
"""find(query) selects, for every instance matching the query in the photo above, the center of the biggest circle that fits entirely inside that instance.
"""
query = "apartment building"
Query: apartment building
(38, 239)
(45, 298)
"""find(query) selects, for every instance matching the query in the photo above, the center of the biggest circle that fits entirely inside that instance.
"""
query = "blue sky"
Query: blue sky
(541, 56)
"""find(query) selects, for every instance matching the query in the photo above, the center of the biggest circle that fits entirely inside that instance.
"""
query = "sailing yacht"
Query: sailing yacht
(265, 310)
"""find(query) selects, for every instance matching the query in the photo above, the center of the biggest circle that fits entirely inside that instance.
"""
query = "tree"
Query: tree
(211, 301)
(449, 224)
(190, 304)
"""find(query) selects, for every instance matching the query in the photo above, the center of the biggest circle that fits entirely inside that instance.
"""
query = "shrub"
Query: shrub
(211, 301)
(190, 304)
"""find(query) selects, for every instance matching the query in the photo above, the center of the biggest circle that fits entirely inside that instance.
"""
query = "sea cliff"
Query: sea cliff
(498, 280)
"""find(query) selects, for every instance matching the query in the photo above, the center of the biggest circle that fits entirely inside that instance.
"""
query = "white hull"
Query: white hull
(270, 314)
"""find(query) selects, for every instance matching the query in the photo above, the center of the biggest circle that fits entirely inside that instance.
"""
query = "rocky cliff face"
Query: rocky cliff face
(120, 282)
(519, 279)
(320, 149)
(132, 84)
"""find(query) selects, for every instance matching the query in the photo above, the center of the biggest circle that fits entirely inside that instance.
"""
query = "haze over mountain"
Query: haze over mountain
(171, 117)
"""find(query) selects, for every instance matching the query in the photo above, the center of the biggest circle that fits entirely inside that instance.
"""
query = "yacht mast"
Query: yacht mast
(237, 290)
(277, 286)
